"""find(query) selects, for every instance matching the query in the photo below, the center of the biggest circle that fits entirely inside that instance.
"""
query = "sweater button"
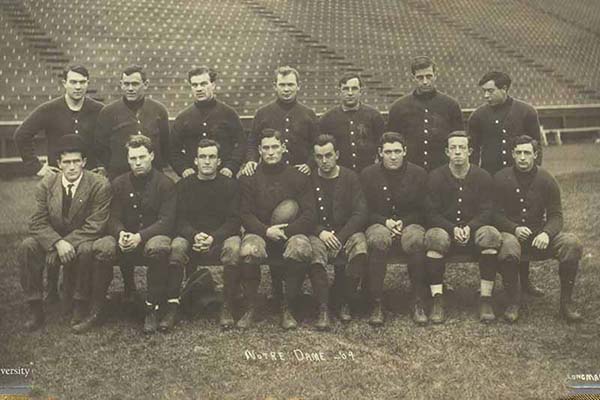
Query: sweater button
(496, 122)
(204, 124)
(425, 131)
(504, 163)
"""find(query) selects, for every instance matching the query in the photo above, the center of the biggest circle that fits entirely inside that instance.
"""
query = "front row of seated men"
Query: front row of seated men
(342, 217)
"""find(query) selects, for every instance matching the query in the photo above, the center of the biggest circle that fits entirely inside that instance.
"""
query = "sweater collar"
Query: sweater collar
(206, 104)
(426, 95)
(286, 105)
(273, 169)
(507, 103)
(134, 105)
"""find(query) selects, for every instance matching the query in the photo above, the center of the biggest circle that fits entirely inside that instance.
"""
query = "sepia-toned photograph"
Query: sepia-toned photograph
(299, 199)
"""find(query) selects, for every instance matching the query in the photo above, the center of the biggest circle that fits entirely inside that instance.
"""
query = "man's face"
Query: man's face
(202, 88)
(133, 86)
(350, 92)
(75, 85)
(140, 160)
(271, 150)
(392, 155)
(326, 157)
(286, 87)
(71, 164)
(207, 161)
(492, 94)
(524, 156)
(424, 79)
(458, 151)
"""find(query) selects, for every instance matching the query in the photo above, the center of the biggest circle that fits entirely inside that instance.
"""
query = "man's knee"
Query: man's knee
(105, 249)
(29, 246)
(179, 251)
(253, 249)
(510, 249)
(158, 246)
(230, 253)
(488, 239)
(298, 248)
(437, 241)
(413, 239)
(356, 245)
(379, 238)
(568, 248)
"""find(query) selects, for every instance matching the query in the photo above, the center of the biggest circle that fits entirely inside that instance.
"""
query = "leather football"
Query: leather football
(285, 212)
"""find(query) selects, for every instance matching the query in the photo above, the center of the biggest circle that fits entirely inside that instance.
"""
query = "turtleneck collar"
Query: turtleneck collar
(350, 109)
(140, 182)
(286, 105)
(272, 168)
(507, 103)
(395, 172)
(425, 95)
(134, 105)
(203, 105)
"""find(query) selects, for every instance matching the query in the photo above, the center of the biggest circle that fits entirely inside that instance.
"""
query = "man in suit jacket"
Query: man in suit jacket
(72, 209)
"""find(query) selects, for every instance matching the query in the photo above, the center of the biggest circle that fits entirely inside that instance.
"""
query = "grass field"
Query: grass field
(462, 359)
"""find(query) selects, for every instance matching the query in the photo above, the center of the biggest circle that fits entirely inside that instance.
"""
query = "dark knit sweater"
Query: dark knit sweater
(55, 119)
(209, 119)
(455, 202)
(426, 120)
(143, 205)
(345, 209)
(117, 122)
(269, 186)
(538, 207)
(297, 124)
(357, 133)
(493, 128)
(398, 194)
(210, 206)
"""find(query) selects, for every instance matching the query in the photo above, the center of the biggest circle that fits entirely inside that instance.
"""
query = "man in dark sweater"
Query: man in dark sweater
(298, 126)
(207, 118)
(341, 218)
(208, 224)
(493, 127)
(73, 113)
(142, 218)
(273, 182)
(460, 217)
(425, 116)
(356, 127)
(395, 191)
(296, 122)
(528, 206)
(133, 114)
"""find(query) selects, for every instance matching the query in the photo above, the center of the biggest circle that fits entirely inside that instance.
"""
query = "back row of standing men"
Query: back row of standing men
(424, 118)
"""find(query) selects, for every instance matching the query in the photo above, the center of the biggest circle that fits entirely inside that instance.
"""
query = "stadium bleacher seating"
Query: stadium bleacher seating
(550, 50)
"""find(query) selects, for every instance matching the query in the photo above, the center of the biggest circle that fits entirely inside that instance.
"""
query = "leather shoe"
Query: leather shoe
(438, 316)
(345, 314)
(323, 323)
(419, 315)
(36, 316)
(288, 322)
(377, 317)
(529, 288)
(246, 321)
(151, 321)
(94, 319)
(511, 314)
(568, 313)
(168, 320)
(486, 311)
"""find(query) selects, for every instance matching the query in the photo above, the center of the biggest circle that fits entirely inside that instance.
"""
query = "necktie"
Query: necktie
(68, 198)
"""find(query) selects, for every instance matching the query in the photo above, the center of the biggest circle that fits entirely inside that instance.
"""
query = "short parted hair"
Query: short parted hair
(459, 134)
(70, 143)
(350, 75)
(323, 139)
(80, 69)
(285, 71)
(421, 62)
(392, 137)
(270, 133)
(203, 143)
(132, 69)
(501, 79)
(203, 69)
(136, 141)
(525, 139)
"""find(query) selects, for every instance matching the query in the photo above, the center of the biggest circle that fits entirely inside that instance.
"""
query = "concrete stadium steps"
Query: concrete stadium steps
(551, 51)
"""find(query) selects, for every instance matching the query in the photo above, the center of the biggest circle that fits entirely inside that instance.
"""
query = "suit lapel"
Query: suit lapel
(56, 198)
(81, 193)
